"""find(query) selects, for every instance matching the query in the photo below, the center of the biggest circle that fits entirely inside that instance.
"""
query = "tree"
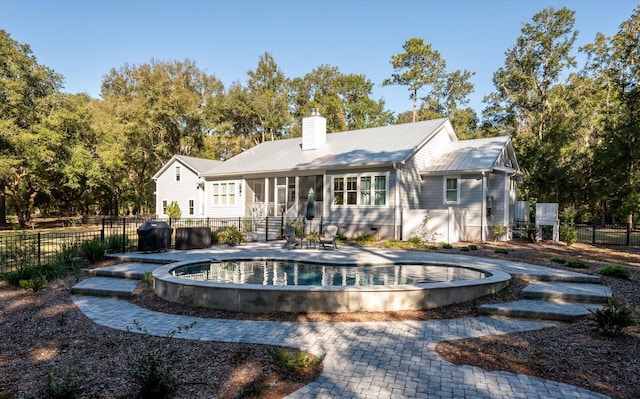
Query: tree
(419, 67)
(153, 111)
(532, 66)
(613, 64)
(29, 92)
(528, 103)
(343, 99)
(268, 87)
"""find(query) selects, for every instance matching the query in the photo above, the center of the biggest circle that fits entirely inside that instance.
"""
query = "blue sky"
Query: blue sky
(83, 40)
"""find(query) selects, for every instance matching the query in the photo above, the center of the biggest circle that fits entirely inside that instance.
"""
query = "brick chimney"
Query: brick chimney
(314, 130)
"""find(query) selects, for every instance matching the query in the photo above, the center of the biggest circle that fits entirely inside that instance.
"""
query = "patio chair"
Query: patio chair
(328, 240)
(289, 235)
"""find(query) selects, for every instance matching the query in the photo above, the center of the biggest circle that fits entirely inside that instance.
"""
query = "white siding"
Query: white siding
(225, 210)
(167, 188)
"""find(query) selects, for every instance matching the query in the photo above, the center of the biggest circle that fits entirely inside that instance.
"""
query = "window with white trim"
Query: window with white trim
(192, 208)
(177, 173)
(451, 185)
(224, 193)
(365, 190)
(165, 203)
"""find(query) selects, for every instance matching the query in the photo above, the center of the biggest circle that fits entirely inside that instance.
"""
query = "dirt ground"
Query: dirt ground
(45, 334)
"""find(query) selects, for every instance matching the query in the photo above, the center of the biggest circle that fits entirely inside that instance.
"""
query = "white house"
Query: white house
(180, 179)
(381, 180)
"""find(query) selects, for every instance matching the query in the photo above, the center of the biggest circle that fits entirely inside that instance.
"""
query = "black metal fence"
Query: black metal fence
(19, 247)
(121, 234)
(608, 234)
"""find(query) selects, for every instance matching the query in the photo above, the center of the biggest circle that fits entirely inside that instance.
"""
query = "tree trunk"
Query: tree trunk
(3, 206)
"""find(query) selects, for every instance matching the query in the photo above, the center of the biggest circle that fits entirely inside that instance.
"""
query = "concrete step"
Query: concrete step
(569, 292)
(540, 309)
(128, 270)
(105, 286)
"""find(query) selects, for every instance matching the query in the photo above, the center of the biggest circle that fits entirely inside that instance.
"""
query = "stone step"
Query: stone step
(540, 309)
(570, 292)
(128, 270)
(105, 286)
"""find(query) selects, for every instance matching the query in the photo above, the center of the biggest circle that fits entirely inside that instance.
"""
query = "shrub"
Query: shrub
(464, 249)
(497, 230)
(230, 236)
(612, 319)
(35, 283)
(615, 271)
(576, 264)
(113, 243)
(432, 247)
(92, 250)
(416, 242)
(292, 360)
(366, 238)
(473, 247)
(153, 376)
(444, 245)
(393, 243)
(501, 251)
(559, 260)
(69, 254)
(173, 210)
(568, 234)
(68, 387)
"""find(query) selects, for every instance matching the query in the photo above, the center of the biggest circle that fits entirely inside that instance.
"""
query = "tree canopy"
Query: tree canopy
(574, 127)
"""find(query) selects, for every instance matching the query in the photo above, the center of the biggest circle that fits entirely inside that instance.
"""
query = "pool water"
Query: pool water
(312, 274)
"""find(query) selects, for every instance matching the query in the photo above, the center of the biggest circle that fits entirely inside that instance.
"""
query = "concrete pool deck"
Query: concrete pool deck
(363, 360)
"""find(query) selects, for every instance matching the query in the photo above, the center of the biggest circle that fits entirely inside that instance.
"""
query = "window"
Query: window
(164, 206)
(365, 190)
(451, 190)
(231, 193)
(177, 173)
(381, 190)
(360, 191)
(191, 207)
(352, 191)
(216, 193)
(224, 193)
(338, 191)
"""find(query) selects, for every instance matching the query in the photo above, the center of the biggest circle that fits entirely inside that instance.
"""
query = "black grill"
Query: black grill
(154, 236)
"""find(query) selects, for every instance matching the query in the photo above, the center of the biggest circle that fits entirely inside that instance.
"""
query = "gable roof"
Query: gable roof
(196, 165)
(356, 148)
(477, 155)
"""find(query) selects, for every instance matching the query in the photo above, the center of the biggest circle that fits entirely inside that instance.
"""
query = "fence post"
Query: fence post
(266, 229)
(593, 234)
(124, 235)
(39, 251)
(239, 223)
(102, 231)
(628, 234)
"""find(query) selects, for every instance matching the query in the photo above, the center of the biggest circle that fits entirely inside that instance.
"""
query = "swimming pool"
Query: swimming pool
(284, 272)
(262, 296)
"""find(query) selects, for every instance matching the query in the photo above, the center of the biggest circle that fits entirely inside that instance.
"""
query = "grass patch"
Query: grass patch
(501, 251)
(294, 360)
(559, 260)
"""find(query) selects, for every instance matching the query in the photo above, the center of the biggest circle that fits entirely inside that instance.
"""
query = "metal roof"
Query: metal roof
(197, 165)
(469, 156)
(375, 146)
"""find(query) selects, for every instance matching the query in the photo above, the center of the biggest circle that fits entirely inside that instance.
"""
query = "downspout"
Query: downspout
(483, 210)
(397, 166)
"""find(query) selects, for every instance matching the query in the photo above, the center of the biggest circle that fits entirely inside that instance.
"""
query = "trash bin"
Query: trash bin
(193, 237)
(154, 236)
